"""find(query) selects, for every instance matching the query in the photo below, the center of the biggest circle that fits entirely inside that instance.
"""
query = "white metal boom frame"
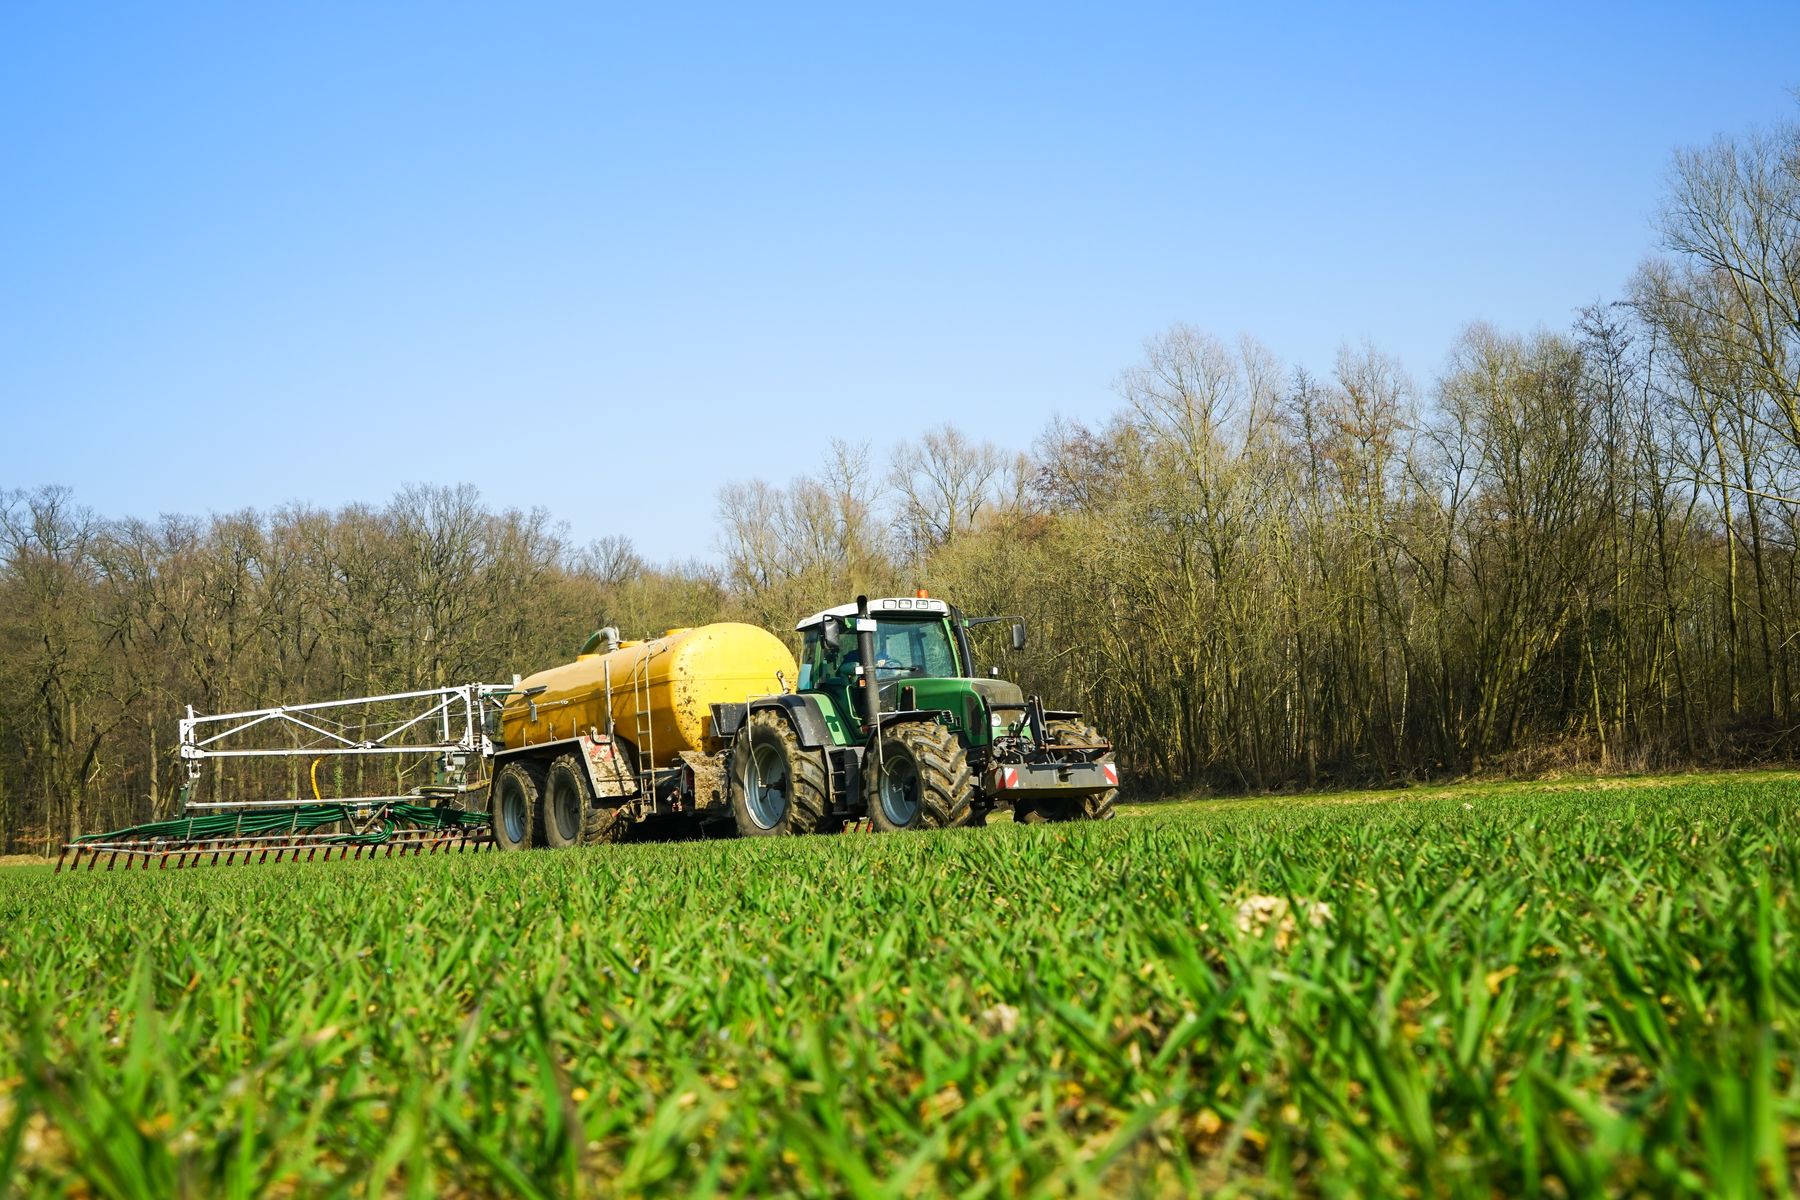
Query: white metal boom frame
(449, 721)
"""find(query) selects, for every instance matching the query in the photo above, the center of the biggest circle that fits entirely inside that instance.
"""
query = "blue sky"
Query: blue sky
(603, 260)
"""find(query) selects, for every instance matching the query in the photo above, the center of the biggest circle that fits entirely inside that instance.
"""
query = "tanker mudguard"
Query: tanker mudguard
(802, 712)
(604, 768)
(544, 750)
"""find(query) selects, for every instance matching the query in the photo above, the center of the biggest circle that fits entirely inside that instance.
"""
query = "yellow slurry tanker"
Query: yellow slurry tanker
(622, 715)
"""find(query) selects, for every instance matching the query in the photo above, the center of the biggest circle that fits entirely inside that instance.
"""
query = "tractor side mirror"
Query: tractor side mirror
(832, 634)
(1018, 634)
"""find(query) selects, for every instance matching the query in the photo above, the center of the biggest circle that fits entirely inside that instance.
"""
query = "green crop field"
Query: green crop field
(1512, 991)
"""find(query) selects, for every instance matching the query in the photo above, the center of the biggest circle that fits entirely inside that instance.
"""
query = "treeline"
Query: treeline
(108, 629)
(1575, 547)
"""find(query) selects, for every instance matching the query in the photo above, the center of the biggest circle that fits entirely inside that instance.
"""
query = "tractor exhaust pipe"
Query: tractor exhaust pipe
(865, 653)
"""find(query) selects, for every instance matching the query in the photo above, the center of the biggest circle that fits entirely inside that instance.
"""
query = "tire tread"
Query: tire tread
(946, 781)
(531, 779)
(807, 784)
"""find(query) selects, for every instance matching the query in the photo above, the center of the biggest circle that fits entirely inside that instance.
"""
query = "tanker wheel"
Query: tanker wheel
(514, 805)
(567, 800)
(918, 778)
(606, 825)
(1100, 807)
(777, 786)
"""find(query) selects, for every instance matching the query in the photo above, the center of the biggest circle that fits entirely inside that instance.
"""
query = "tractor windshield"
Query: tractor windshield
(915, 648)
(904, 649)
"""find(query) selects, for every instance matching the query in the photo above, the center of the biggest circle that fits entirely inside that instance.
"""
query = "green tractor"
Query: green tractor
(889, 723)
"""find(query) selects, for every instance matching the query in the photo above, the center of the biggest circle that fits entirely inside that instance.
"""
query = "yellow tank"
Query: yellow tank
(682, 674)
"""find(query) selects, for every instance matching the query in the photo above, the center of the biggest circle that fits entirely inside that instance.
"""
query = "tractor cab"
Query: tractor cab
(921, 662)
(913, 639)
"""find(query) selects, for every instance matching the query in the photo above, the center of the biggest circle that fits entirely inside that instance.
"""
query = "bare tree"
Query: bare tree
(944, 482)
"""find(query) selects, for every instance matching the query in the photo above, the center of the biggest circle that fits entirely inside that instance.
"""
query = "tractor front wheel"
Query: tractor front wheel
(514, 805)
(778, 786)
(1100, 807)
(918, 777)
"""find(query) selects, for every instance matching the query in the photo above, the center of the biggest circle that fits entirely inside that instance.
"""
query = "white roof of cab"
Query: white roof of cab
(892, 606)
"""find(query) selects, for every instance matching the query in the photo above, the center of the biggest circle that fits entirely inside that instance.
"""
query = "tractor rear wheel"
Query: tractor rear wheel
(514, 805)
(777, 786)
(918, 778)
(1101, 807)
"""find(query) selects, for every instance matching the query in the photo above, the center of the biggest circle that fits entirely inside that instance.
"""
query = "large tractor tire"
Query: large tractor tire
(918, 778)
(1101, 807)
(778, 787)
(514, 805)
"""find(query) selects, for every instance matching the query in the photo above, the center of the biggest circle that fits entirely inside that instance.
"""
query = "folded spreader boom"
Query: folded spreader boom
(255, 832)
(446, 728)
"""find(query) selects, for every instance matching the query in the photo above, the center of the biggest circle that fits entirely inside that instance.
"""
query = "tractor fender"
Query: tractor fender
(802, 713)
(902, 716)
